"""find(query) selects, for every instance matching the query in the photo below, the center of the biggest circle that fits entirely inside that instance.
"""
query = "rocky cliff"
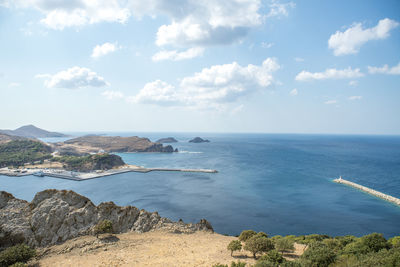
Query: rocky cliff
(55, 216)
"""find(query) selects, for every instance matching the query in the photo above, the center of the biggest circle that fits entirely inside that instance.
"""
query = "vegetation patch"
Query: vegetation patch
(16, 153)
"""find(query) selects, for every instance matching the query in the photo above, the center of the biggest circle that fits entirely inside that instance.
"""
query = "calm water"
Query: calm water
(280, 184)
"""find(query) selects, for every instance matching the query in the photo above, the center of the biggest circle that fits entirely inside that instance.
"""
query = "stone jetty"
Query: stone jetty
(368, 190)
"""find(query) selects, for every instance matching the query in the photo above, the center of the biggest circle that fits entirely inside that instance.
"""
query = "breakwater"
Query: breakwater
(81, 176)
(368, 190)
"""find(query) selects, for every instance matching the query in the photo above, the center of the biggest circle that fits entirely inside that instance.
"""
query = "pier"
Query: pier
(368, 190)
(81, 176)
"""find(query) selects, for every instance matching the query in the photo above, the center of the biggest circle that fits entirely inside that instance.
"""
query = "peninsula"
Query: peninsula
(93, 144)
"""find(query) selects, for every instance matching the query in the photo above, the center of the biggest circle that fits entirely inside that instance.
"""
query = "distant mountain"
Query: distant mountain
(32, 131)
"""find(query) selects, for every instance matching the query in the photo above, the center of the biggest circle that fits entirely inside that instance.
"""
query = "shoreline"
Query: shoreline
(82, 176)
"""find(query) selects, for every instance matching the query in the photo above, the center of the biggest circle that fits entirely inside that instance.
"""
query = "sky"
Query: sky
(272, 66)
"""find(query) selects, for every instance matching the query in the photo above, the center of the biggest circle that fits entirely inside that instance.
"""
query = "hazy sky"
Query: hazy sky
(201, 65)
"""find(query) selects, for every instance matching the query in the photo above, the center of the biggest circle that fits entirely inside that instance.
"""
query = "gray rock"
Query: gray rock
(55, 216)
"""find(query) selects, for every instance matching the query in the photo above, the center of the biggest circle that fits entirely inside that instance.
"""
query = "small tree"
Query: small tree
(103, 227)
(246, 234)
(234, 245)
(284, 244)
(258, 244)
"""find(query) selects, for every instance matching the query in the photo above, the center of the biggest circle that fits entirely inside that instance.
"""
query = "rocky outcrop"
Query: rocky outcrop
(55, 216)
(94, 144)
(199, 140)
(167, 140)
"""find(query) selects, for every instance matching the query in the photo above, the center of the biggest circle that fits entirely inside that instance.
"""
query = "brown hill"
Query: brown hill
(88, 144)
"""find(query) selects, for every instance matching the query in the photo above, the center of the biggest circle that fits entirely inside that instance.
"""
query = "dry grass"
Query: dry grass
(157, 248)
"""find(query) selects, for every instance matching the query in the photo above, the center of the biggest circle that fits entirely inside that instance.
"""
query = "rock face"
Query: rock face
(199, 140)
(90, 144)
(167, 140)
(55, 216)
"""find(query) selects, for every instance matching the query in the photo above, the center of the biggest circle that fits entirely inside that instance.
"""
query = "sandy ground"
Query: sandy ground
(50, 165)
(148, 249)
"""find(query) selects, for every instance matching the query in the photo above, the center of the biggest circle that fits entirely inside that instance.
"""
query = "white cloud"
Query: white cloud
(14, 84)
(157, 92)
(294, 92)
(266, 45)
(385, 69)
(350, 41)
(192, 23)
(174, 55)
(212, 87)
(355, 97)
(329, 74)
(330, 102)
(110, 95)
(104, 49)
(72, 78)
(61, 14)
(299, 59)
(353, 83)
(280, 9)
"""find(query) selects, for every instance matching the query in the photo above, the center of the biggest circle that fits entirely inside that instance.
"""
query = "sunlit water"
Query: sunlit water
(279, 184)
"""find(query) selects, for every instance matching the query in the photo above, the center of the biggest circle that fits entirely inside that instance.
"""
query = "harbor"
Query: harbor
(368, 190)
(82, 176)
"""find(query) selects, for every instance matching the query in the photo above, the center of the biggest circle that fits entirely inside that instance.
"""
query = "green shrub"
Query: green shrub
(395, 241)
(246, 234)
(18, 264)
(369, 243)
(265, 263)
(262, 234)
(220, 265)
(284, 244)
(238, 264)
(273, 256)
(319, 255)
(291, 264)
(103, 227)
(234, 245)
(18, 253)
(258, 244)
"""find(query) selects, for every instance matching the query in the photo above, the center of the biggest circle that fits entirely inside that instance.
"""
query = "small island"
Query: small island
(199, 140)
(167, 140)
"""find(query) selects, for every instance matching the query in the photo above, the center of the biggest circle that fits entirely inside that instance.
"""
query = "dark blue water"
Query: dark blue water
(279, 184)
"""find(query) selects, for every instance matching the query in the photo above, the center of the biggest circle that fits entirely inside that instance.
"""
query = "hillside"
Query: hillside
(89, 144)
(32, 132)
(4, 138)
(18, 152)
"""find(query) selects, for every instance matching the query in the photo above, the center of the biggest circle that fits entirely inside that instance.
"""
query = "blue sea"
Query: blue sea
(276, 183)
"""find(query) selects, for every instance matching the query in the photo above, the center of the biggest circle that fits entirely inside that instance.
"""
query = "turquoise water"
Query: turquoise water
(279, 184)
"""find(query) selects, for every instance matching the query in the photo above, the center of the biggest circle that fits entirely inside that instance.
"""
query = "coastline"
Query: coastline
(82, 176)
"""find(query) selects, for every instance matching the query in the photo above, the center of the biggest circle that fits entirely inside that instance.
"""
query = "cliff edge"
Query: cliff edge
(55, 216)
